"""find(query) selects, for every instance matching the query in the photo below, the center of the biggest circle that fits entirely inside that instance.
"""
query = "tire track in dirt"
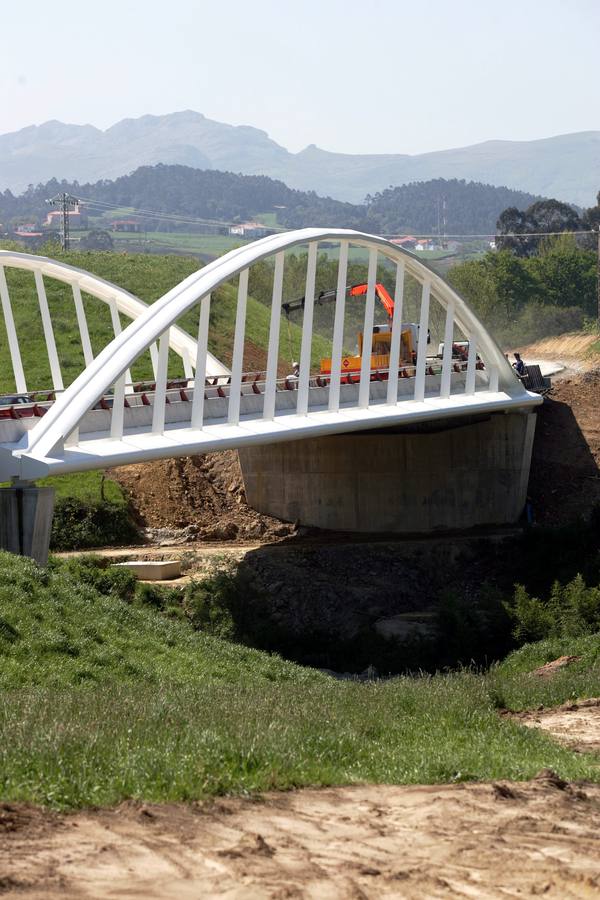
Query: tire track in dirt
(374, 841)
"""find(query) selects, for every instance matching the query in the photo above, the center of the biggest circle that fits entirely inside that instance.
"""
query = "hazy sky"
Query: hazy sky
(402, 76)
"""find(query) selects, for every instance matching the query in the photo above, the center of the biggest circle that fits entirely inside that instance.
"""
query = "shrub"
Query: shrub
(571, 610)
(219, 605)
(537, 321)
(98, 573)
(78, 525)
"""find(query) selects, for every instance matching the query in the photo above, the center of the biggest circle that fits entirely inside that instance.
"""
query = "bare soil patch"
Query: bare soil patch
(203, 494)
(565, 471)
(575, 350)
(575, 724)
(467, 840)
(555, 665)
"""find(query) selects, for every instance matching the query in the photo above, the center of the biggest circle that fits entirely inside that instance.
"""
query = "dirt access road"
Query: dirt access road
(466, 840)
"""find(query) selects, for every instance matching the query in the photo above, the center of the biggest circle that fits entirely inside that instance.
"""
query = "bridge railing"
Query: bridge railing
(427, 386)
(56, 297)
(421, 371)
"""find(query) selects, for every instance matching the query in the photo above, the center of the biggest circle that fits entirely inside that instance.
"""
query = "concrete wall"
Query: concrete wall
(26, 521)
(458, 477)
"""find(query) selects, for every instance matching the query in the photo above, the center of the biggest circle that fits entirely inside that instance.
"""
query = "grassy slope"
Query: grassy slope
(57, 629)
(515, 688)
(85, 486)
(103, 700)
(148, 277)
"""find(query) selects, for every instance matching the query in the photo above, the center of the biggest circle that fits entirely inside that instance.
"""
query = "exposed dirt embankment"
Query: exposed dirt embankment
(465, 840)
(202, 494)
(575, 351)
(565, 471)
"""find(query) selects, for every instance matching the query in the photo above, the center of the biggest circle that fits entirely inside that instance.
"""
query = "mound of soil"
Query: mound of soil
(196, 498)
(439, 841)
(565, 470)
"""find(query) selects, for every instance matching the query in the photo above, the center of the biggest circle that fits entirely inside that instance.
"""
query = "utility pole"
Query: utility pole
(65, 201)
(444, 223)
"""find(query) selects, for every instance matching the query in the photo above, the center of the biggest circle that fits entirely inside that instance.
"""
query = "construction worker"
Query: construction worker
(295, 376)
(519, 365)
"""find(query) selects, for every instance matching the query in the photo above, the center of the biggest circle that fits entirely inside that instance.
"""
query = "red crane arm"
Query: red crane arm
(358, 290)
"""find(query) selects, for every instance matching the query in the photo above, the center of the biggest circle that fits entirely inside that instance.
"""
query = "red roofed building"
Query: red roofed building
(407, 241)
(126, 225)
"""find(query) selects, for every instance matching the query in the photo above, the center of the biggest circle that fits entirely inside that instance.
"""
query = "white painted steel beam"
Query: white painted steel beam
(273, 352)
(116, 324)
(57, 382)
(233, 413)
(307, 329)
(338, 328)
(118, 409)
(365, 366)
(392, 389)
(422, 342)
(84, 334)
(11, 332)
(471, 362)
(160, 393)
(493, 382)
(197, 417)
(447, 355)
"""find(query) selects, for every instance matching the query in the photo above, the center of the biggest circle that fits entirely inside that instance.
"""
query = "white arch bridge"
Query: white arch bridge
(103, 419)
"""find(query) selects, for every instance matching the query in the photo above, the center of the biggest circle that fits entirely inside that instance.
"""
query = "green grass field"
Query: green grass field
(182, 242)
(148, 277)
(212, 245)
(104, 700)
(88, 487)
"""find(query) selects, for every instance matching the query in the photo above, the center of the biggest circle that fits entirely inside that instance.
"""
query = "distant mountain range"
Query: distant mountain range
(566, 167)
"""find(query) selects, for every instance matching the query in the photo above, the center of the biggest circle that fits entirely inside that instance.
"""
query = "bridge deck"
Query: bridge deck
(96, 448)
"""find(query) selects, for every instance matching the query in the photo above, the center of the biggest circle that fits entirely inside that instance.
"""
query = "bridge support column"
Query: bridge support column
(26, 520)
(444, 477)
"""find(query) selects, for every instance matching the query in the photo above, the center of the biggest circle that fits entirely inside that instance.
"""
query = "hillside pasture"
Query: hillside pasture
(104, 699)
(148, 277)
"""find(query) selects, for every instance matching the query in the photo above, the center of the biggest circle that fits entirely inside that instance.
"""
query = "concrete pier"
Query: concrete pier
(434, 477)
(26, 521)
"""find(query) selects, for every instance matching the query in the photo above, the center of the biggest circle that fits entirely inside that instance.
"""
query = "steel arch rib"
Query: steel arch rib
(66, 413)
(128, 304)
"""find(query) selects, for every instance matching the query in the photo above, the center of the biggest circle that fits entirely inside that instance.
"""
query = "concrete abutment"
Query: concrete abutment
(444, 477)
(26, 521)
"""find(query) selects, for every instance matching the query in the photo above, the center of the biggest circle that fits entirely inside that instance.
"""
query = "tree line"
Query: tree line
(542, 277)
(430, 207)
(523, 231)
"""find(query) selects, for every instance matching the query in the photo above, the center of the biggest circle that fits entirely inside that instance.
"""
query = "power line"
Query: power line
(171, 217)
(522, 234)
(192, 220)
